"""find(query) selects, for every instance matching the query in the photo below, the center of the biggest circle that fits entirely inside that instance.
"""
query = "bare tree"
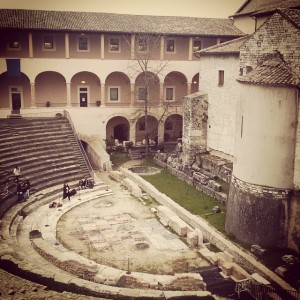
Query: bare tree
(146, 66)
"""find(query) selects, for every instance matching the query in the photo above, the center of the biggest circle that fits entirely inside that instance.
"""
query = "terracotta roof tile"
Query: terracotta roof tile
(253, 7)
(107, 22)
(293, 15)
(230, 47)
(274, 71)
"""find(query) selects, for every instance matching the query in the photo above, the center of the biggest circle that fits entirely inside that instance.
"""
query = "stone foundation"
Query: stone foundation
(257, 214)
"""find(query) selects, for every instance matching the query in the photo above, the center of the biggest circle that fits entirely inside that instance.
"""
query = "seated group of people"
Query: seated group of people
(86, 183)
(23, 190)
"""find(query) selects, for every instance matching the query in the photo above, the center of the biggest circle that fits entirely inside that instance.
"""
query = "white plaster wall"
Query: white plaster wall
(245, 23)
(297, 151)
(222, 101)
(265, 136)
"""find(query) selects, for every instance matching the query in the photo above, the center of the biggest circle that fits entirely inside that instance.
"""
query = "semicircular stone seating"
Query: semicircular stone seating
(29, 242)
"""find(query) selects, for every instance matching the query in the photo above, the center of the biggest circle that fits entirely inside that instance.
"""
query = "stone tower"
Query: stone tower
(263, 207)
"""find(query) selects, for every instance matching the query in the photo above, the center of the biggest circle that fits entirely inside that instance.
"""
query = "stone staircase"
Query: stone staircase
(45, 149)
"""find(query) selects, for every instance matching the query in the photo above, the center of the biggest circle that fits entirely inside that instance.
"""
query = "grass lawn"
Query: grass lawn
(188, 197)
(185, 195)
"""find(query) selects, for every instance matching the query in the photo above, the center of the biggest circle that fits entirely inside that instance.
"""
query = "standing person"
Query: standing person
(17, 173)
(66, 191)
(27, 189)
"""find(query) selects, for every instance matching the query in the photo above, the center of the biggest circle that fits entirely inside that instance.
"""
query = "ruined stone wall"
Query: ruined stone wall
(222, 100)
(257, 214)
(201, 174)
(294, 222)
(194, 125)
(277, 34)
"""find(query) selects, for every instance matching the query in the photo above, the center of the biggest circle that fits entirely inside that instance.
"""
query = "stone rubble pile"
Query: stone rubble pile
(202, 174)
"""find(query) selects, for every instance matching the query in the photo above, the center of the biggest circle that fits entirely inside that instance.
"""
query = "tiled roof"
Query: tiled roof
(275, 72)
(293, 15)
(108, 22)
(230, 47)
(252, 7)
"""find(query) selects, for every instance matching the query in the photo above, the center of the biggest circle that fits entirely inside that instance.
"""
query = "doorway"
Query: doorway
(83, 96)
(16, 99)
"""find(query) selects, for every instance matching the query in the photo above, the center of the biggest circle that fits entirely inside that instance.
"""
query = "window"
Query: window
(142, 93)
(83, 43)
(248, 69)
(114, 45)
(221, 78)
(142, 45)
(14, 44)
(170, 47)
(197, 45)
(48, 43)
(169, 94)
(114, 94)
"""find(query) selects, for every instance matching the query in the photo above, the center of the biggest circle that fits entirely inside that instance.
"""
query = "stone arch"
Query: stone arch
(50, 87)
(117, 128)
(195, 83)
(22, 83)
(150, 81)
(175, 87)
(173, 127)
(117, 89)
(85, 89)
(152, 128)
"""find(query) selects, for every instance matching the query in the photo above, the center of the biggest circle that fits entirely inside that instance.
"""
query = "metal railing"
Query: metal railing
(264, 292)
(88, 164)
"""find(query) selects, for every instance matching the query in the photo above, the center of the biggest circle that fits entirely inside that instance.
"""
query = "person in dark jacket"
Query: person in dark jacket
(66, 191)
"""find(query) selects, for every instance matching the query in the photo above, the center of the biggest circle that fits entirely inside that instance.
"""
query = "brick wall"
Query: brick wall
(277, 34)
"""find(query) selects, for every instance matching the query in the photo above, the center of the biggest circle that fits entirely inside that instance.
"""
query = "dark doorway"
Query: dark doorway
(83, 97)
(121, 132)
(16, 102)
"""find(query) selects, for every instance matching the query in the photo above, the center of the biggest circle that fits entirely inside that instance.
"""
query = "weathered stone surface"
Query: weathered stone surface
(255, 208)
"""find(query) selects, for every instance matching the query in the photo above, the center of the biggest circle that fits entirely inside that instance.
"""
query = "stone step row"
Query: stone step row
(45, 257)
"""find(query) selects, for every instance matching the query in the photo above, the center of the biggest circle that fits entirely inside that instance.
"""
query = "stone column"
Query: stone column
(190, 48)
(132, 46)
(132, 94)
(194, 126)
(68, 87)
(30, 45)
(161, 93)
(67, 46)
(161, 131)
(189, 88)
(102, 46)
(102, 91)
(32, 88)
(162, 48)
(132, 131)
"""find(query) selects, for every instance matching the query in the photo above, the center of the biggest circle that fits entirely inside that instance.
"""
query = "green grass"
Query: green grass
(188, 197)
(118, 159)
(185, 195)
